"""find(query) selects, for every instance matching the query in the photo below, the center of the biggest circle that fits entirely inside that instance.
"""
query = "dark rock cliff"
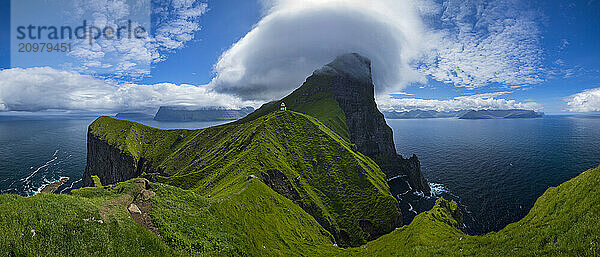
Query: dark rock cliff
(109, 163)
(349, 78)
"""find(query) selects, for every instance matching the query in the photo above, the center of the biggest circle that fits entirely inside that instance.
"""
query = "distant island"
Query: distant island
(134, 116)
(172, 113)
(421, 114)
(465, 114)
(501, 114)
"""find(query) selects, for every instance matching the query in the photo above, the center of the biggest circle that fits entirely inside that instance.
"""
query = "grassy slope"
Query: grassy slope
(342, 186)
(255, 221)
(313, 98)
(61, 229)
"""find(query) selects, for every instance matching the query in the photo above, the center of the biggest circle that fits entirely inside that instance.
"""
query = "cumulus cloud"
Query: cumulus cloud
(488, 101)
(44, 88)
(484, 42)
(586, 101)
(465, 43)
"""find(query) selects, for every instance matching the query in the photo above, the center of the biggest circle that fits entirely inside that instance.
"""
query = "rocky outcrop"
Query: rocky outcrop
(411, 169)
(109, 163)
(280, 183)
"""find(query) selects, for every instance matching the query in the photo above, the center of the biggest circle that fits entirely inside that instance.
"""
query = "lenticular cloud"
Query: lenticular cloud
(465, 43)
(298, 36)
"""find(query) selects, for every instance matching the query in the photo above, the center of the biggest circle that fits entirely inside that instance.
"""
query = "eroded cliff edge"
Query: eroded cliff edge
(109, 163)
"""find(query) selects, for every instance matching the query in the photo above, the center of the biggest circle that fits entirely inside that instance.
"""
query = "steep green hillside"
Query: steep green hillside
(91, 222)
(293, 153)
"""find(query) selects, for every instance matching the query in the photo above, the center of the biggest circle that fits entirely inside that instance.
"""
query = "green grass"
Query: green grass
(96, 181)
(61, 225)
(139, 140)
(338, 186)
(314, 98)
(256, 221)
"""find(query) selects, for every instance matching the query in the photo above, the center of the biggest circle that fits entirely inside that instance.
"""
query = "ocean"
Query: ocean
(35, 152)
(495, 169)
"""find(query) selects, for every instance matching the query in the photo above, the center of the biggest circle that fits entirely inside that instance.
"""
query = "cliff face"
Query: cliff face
(353, 89)
(341, 95)
(109, 163)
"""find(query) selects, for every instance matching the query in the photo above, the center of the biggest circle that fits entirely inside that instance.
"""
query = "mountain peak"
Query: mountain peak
(352, 65)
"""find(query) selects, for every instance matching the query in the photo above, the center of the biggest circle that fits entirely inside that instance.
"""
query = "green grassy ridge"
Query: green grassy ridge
(341, 187)
(139, 140)
(314, 98)
(254, 221)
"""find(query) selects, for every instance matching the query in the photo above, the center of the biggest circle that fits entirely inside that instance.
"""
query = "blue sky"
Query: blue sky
(467, 54)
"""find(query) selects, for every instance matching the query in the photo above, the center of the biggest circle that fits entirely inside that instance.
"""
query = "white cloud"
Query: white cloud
(468, 44)
(586, 101)
(483, 42)
(564, 43)
(174, 23)
(44, 88)
(488, 101)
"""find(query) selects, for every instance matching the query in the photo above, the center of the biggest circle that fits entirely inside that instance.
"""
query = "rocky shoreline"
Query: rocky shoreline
(52, 187)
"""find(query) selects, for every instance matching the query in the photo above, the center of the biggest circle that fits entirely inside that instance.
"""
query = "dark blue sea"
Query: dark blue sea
(495, 169)
(36, 151)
